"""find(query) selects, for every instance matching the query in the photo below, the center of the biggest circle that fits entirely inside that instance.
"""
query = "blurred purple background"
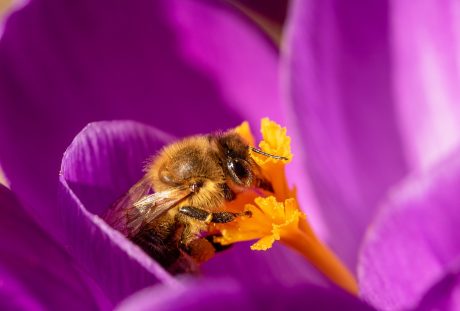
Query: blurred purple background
(369, 94)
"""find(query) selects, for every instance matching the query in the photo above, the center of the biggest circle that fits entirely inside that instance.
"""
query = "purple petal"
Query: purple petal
(183, 66)
(338, 72)
(445, 294)
(426, 53)
(100, 165)
(226, 294)
(278, 264)
(7, 7)
(35, 273)
(414, 240)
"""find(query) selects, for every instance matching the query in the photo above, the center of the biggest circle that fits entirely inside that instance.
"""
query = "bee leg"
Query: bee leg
(223, 217)
(199, 249)
(217, 246)
(216, 217)
(194, 212)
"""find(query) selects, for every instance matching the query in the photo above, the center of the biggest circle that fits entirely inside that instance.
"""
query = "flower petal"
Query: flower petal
(183, 66)
(338, 74)
(35, 273)
(6, 8)
(426, 53)
(278, 264)
(227, 294)
(443, 295)
(414, 240)
(100, 165)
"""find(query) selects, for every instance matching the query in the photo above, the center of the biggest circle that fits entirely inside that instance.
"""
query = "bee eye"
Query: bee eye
(239, 169)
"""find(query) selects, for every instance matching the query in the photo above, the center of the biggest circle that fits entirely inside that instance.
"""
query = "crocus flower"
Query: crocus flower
(37, 274)
(368, 91)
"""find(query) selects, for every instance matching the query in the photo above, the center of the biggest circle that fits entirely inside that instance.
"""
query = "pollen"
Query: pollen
(269, 221)
(277, 216)
(275, 141)
(244, 130)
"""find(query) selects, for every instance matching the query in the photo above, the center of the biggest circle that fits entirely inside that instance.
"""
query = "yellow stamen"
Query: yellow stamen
(278, 216)
(245, 132)
(275, 141)
(275, 221)
(322, 258)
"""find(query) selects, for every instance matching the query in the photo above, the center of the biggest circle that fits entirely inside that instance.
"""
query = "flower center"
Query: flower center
(277, 216)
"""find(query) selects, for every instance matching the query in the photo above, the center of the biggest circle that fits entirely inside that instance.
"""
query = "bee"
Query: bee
(184, 189)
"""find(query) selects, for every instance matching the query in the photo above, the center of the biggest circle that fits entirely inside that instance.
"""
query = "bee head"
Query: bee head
(236, 159)
(240, 171)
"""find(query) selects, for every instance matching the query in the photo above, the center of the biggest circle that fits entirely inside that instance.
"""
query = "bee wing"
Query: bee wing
(116, 215)
(154, 205)
(138, 207)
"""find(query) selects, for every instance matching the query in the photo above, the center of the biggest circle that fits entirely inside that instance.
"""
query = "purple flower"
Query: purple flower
(368, 90)
(35, 273)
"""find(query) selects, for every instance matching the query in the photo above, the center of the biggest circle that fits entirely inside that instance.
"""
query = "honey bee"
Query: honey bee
(185, 188)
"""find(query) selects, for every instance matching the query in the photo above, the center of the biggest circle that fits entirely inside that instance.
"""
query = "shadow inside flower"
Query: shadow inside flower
(100, 165)
(95, 199)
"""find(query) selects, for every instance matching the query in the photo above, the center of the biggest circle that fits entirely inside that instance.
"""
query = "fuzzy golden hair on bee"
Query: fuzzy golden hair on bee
(184, 188)
(196, 162)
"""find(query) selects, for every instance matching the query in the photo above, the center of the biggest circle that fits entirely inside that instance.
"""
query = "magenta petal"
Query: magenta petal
(35, 273)
(278, 264)
(7, 9)
(100, 165)
(414, 240)
(443, 295)
(426, 42)
(338, 74)
(227, 294)
(185, 66)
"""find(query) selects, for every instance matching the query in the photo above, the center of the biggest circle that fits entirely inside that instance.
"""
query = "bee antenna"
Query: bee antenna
(268, 154)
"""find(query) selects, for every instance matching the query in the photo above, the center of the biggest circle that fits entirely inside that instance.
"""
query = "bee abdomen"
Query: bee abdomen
(161, 241)
(164, 251)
